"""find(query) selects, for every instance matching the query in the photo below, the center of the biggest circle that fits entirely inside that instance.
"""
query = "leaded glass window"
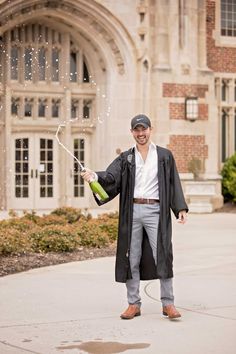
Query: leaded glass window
(228, 18)
(78, 180)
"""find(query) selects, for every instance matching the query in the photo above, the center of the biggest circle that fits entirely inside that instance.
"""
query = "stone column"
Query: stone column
(65, 163)
(65, 59)
(202, 63)
(2, 157)
(8, 166)
(162, 59)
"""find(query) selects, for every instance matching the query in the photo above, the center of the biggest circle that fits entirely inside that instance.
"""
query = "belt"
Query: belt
(145, 201)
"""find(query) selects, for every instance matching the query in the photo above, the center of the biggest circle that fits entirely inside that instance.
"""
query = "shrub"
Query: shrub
(13, 241)
(53, 239)
(12, 213)
(32, 216)
(62, 231)
(52, 219)
(20, 224)
(71, 214)
(90, 234)
(109, 224)
(229, 179)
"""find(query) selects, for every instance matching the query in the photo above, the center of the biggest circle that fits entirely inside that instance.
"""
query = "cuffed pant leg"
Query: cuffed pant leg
(133, 284)
(150, 220)
(167, 297)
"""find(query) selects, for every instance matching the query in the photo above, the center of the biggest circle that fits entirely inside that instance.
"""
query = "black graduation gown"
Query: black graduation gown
(119, 178)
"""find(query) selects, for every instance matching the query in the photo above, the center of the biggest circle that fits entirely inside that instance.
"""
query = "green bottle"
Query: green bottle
(97, 189)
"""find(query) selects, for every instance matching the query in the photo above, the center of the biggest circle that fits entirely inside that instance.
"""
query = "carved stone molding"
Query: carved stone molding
(13, 14)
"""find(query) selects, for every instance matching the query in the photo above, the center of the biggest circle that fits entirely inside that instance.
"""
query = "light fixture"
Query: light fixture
(191, 108)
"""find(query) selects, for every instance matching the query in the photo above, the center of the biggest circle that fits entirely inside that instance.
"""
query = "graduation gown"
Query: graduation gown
(119, 178)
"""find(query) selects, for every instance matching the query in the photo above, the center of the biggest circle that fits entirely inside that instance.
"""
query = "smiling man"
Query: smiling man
(147, 180)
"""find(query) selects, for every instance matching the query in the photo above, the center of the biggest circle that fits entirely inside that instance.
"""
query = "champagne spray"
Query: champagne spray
(94, 185)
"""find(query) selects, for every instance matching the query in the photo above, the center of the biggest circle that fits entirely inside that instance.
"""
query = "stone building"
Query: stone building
(92, 65)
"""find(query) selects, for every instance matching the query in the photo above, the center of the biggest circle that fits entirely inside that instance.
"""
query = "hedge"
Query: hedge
(229, 179)
(64, 230)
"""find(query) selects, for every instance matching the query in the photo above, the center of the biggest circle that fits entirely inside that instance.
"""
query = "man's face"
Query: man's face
(141, 135)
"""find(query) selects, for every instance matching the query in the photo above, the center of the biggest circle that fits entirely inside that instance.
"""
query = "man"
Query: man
(147, 180)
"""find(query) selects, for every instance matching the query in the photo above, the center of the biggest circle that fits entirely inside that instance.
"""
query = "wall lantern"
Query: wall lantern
(191, 108)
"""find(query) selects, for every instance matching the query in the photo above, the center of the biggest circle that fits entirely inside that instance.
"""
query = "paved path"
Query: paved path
(75, 307)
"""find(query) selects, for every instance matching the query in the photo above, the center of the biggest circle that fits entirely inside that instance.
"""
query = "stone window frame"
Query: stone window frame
(220, 40)
(34, 100)
(80, 102)
(226, 113)
(22, 38)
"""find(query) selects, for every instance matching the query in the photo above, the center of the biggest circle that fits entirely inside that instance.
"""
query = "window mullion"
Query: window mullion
(8, 55)
(80, 67)
(80, 109)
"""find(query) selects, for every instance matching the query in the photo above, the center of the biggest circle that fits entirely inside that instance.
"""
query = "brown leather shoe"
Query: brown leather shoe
(171, 311)
(131, 312)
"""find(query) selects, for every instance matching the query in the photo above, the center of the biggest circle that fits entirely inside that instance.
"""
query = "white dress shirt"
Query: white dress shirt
(146, 180)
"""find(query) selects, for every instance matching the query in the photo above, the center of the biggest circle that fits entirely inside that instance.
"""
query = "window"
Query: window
(74, 109)
(224, 135)
(87, 109)
(78, 180)
(14, 106)
(42, 63)
(42, 108)
(225, 89)
(14, 63)
(55, 64)
(85, 72)
(28, 63)
(21, 168)
(28, 107)
(228, 18)
(46, 164)
(73, 67)
(55, 108)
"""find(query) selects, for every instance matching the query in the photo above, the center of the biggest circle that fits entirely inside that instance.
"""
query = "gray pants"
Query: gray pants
(145, 216)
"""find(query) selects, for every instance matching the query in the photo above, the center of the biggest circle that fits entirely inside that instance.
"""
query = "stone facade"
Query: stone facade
(97, 63)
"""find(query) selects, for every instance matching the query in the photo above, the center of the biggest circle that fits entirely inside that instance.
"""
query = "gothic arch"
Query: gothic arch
(94, 24)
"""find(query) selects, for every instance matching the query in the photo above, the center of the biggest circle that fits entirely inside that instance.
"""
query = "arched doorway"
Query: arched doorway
(59, 60)
(47, 80)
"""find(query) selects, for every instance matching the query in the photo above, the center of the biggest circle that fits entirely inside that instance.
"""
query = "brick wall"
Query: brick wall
(219, 59)
(187, 147)
(177, 111)
(184, 90)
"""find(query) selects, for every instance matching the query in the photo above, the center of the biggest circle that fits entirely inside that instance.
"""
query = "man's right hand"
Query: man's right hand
(88, 175)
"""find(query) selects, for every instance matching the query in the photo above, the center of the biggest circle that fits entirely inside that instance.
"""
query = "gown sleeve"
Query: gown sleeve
(110, 180)
(177, 201)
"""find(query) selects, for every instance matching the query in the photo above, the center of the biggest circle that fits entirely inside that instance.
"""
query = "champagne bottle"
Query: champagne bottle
(97, 189)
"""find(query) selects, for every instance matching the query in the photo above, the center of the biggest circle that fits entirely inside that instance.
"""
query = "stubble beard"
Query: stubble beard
(142, 141)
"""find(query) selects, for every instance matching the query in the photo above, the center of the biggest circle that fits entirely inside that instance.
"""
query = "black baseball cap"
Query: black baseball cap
(140, 119)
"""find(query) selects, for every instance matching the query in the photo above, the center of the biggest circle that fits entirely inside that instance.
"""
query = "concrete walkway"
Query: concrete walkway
(75, 307)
